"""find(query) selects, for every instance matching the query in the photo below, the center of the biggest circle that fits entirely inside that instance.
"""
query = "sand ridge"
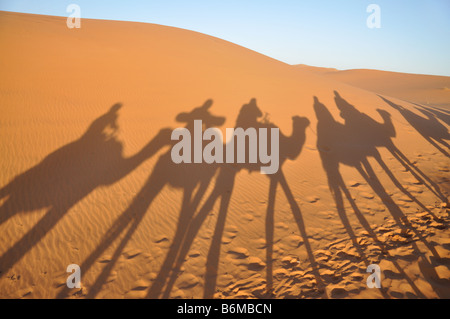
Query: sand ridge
(430, 91)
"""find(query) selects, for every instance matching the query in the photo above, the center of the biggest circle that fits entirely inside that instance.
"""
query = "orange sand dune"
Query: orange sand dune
(428, 90)
(86, 176)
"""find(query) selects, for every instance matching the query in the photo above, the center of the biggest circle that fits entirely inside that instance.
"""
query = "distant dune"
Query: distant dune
(86, 176)
(427, 90)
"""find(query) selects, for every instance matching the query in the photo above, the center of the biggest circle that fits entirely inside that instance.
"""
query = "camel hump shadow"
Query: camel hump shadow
(188, 175)
(363, 126)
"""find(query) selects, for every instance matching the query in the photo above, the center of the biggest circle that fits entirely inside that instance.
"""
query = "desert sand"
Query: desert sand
(86, 176)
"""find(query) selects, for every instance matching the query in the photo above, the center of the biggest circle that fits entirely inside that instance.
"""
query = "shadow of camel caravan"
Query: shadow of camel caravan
(353, 144)
(433, 131)
(68, 175)
(289, 147)
(192, 179)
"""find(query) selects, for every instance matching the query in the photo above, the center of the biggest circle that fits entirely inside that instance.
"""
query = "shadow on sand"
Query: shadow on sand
(290, 148)
(429, 127)
(68, 175)
(186, 177)
(352, 144)
(96, 159)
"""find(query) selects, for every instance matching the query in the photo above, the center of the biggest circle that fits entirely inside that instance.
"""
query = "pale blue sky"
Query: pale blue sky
(414, 36)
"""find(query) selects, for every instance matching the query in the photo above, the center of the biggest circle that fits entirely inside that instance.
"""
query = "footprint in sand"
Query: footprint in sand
(280, 273)
(255, 263)
(186, 281)
(25, 293)
(356, 276)
(259, 243)
(412, 180)
(293, 241)
(289, 262)
(339, 292)
(105, 260)
(325, 214)
(247, 283)
(229, 234)
(163, 241)
(414, 189)
(150, 276)
(194, 254)
(112, 276)
(247, 217)
(239, 252)
(353, 183)
(132, 253)
(206, 234)
(367, 195)
(282, 226)
(177, 294)
(139, 290)
(231, 229)
(405, 199)
(443, 166)
(140, 285)
(312, 199)
(226, 240)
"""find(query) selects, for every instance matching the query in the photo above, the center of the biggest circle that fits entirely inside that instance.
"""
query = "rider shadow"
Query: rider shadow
(352, 144)
(429, 127)
(193, 179)
(441, 114)
(368, 135)
(184, 238)
(290, 147)
(336, 146)
(65, 177)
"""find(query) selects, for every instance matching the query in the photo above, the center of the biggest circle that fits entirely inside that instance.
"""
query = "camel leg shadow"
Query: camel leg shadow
(131, 218)
(279, 178)
(401, 220)
(416, 172)
(32, 237)
(186, 214)
(224, 183)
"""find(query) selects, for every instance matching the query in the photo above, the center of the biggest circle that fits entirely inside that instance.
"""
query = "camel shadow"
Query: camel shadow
(193, 179)
(289, 147)
(184, 238)
(336, 146)
(443, 115)
(66, 176)
(368, 135)
(352, 144)
(429, 127)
